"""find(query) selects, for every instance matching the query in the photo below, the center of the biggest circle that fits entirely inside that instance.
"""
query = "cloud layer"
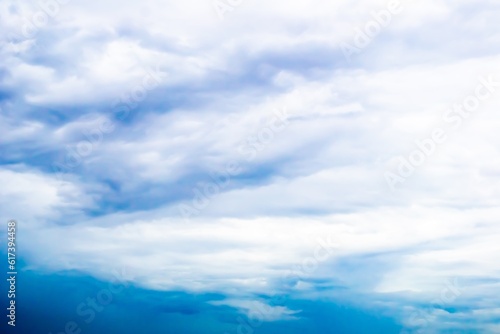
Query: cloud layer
(213, 147)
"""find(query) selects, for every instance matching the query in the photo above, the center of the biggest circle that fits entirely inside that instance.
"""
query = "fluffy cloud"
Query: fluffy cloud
(115, 116)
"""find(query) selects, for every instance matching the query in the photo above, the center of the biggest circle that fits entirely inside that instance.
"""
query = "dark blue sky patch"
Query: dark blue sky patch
(48, 302)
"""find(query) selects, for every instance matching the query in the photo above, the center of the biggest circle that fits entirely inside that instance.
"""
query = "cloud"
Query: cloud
(115, 115)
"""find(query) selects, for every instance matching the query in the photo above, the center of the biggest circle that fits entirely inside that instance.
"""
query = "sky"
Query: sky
(246, 167)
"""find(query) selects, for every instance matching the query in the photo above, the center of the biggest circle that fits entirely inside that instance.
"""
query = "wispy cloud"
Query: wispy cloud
(148, 108)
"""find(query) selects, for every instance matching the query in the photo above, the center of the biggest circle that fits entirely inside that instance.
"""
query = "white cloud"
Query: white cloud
(323, 175)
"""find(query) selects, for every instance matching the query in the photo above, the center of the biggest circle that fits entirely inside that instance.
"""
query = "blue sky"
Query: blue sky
(253, 167)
